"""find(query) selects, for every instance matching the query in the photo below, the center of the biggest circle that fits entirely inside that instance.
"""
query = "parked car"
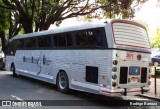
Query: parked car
(156, 59)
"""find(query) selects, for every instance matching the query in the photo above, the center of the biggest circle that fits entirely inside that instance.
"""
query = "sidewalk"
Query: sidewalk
(151, 94)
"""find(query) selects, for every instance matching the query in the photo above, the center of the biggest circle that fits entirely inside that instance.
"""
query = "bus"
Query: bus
(108, 58)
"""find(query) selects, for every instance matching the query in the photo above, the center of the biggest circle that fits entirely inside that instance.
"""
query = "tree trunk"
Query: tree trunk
(27, 24)
(3, 41)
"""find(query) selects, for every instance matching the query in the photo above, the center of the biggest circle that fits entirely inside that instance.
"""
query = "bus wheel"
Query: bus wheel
(13, 71)
(63, 82)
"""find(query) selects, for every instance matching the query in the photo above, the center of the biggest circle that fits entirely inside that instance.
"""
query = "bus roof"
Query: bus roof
(76, 27)
(62, 29)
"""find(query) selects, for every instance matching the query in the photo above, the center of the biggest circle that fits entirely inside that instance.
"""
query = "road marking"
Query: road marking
(16, 97)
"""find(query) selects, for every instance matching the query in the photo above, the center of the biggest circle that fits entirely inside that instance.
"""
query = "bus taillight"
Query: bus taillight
(114, 84)
(115, 62)
(114, 76)
(114, 69)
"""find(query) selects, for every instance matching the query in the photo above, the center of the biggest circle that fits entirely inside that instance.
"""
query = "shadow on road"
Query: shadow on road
(80, 94)
(84, 97)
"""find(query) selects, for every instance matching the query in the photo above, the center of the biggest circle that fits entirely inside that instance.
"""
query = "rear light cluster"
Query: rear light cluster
(114, 76)
(114, 84)
(115, 62)
(149, 76)
(114, 69)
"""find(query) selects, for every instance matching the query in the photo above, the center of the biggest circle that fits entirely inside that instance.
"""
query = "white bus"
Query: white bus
(110, 58)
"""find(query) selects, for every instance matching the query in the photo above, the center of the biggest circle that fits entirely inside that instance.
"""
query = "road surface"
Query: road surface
(23, 88)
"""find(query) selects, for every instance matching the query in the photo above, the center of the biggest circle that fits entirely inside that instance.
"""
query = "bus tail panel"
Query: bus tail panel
(132, 73)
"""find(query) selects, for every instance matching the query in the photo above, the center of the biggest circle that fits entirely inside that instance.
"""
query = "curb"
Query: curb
(150, 97)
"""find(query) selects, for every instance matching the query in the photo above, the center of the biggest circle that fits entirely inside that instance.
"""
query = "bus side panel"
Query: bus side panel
(101, 59)
(47, 63)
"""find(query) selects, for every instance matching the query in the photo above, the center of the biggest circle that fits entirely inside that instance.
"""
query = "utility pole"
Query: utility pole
(155, 81)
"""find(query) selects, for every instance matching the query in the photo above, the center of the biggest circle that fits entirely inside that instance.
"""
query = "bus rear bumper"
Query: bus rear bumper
(124, 92)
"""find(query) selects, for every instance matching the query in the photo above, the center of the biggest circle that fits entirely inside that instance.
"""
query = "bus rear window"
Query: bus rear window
(130, 35)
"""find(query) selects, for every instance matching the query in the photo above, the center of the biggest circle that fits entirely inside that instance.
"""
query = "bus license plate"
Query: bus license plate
(134, 70)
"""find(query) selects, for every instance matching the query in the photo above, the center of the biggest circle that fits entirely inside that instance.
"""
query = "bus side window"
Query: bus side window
(58, 40)
(69, 39)
(92, 38)
(62, 40)
(20, 43)
(81, 38)
(44, 41)
(31, 42)
(89, 38)
(99, 38)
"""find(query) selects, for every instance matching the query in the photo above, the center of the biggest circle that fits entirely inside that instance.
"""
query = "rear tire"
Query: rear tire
(13, 71)
(63, 82)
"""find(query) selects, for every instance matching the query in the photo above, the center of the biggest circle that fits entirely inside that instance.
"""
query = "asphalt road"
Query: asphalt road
(23, 88)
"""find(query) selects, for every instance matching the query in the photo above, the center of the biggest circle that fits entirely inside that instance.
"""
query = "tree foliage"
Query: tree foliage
(3, 18)
(4, 25)
(155, 41)
(117, 9)
(38, 15)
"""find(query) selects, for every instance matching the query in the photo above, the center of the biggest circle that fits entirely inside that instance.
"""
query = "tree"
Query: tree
(38, 15)
(116, 9)
(4, 25)
(155, 41)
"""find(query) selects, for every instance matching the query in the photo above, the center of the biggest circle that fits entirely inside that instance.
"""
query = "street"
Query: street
(24, 88)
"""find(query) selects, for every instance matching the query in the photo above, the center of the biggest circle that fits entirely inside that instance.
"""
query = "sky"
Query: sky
(150, 14)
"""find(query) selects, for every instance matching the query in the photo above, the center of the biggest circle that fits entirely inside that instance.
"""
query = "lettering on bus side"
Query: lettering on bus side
(36, 60)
